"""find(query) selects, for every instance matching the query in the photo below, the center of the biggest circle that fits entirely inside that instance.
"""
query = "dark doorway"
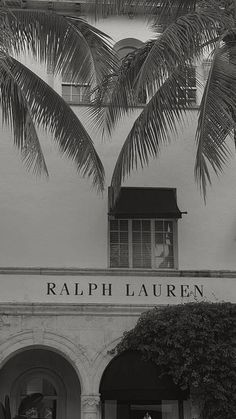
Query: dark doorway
(132, 388)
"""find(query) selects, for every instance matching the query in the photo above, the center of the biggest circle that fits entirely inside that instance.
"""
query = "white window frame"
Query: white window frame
(48, 375)
(71, 99)
(130, 243)
(188, 88)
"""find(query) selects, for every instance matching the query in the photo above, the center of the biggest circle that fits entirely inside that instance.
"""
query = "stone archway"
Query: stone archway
(41, 370)
(74, 354)
(132, 388)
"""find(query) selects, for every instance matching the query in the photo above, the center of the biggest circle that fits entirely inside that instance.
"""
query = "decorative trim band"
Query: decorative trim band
(115, 272)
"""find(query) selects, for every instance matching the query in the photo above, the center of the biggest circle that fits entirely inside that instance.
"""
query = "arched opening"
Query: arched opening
(126, 46)
(123, 48)
(38, 380)
(132, 389)
(42, 371)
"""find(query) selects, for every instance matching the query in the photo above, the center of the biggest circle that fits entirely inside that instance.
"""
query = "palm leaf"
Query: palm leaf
(117, 91)
(48, 109)
(145, 69)
(68, 45)
(155, 126)
(162, 8)
(174, 8)
(16, 114)
(102, 53)
(104, 8)
(216, 115)
(183, 40)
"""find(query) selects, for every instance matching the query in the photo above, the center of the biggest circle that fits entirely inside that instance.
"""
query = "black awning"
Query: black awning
(128, 377)
(145, 203)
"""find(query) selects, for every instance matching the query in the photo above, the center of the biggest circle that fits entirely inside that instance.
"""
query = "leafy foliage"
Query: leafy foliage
(195, 344)
(66, 45)
(185, 31)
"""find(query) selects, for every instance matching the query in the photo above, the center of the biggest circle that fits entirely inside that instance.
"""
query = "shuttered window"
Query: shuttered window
(119, 243)
(74, 91)
(142, 243)
(187, 91)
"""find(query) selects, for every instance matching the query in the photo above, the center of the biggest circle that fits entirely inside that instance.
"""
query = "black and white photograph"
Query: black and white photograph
(118, 209)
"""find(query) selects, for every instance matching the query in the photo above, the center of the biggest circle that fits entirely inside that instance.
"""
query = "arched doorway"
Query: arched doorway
(42, 371)
(132, 389)
(40, 380)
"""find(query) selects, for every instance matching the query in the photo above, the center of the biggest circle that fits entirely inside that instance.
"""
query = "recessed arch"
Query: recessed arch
(45, 374)
(127, 45)
(40, 369)
(132, 388)
(74, 354)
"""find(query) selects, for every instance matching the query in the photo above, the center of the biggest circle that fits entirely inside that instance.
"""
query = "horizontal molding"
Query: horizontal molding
(117, 272)
(100, 310)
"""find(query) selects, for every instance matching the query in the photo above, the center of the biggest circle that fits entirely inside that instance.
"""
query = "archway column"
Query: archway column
(90, 406)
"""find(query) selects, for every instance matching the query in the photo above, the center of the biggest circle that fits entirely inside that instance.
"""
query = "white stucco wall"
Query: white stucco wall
(62, 222)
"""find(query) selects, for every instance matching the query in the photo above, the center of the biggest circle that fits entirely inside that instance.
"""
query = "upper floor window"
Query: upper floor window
(75, 92)
(123, 48)
(143, 229)
(187, 93)
(142, 243)
(126, 46)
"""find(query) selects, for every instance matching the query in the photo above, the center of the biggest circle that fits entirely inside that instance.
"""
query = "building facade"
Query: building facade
(77, 272)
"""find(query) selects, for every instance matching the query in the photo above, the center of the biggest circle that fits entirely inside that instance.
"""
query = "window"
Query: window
(142, 243)
(47, 408)
(206, 68)
(123, 48)
(75, 92)
(187, 92)
(143, 228)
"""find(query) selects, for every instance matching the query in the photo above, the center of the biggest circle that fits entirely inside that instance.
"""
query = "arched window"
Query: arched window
(125, 47)
(41, 381)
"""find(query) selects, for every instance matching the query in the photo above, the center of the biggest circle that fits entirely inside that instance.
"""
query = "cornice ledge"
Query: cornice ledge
(63, 309)
(116, 272)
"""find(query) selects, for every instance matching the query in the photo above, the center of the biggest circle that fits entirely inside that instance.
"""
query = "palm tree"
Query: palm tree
(186, 31)
(68, 45)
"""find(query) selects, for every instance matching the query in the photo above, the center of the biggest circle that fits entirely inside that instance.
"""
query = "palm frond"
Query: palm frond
(168, 11)
(115, 96)
(5, 37)
(216, 115)
(17, 115)
(161, 8)
(49, 110)
(183, 40)
(101, 50)
(155, 126)
(104, 8)
(145, 69)
(68, 45)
